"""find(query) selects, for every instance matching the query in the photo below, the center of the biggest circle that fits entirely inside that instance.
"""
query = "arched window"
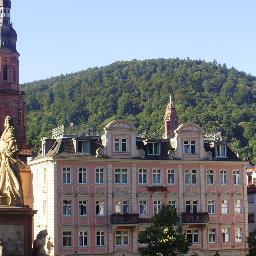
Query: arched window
(5, 73)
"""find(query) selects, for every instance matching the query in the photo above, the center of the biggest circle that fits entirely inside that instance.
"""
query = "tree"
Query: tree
(251, 240)
(165, 236)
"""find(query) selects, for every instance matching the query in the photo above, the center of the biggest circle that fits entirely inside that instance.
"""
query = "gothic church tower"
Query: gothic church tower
(171, 120)
(12, 98)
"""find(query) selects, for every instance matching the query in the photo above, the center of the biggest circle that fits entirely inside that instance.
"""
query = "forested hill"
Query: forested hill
(215, 97)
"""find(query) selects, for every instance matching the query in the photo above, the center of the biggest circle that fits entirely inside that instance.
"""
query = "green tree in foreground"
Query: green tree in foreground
(165, 236)
(251, 240)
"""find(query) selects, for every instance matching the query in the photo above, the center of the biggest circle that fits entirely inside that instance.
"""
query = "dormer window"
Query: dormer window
(153, 148)
(189, 147)
(84, 147)
(120, 145)
(221, 151)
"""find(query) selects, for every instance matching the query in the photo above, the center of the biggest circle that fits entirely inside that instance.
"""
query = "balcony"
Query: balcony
(157, 188)
(195, 218)
(124, 219)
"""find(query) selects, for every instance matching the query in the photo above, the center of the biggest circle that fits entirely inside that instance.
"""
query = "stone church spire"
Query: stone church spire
(171, 119)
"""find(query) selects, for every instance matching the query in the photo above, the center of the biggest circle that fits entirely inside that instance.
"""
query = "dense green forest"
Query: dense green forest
(210, 94)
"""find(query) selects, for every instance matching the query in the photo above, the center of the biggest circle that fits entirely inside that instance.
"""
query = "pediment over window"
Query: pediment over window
(142, 194)
(157, 194)
(120, 193)
(189, 127)
(120, 124)
(172, 194)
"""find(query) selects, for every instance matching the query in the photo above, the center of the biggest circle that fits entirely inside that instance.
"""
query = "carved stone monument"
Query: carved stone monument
(39, 244)
(15, 217)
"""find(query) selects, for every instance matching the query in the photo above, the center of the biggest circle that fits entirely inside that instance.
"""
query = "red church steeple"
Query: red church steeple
(12, 98)
(171, 120)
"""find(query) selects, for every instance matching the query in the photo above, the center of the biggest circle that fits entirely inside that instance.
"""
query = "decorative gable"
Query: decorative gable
(189, 127)
(120, 124)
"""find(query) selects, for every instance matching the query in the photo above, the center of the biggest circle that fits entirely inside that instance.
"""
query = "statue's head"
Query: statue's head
(42, 234)
(8, 122)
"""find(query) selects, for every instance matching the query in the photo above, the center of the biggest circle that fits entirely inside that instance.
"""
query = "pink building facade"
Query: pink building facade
(96, 194)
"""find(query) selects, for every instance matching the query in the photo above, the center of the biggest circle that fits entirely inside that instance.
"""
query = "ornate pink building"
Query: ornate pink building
(95, 194)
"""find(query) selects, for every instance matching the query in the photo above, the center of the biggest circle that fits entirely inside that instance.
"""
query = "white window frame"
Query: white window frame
(211, 207)
(210, 177)
(236, 177)
(122, 206)
(157, 206)
(99, 208)
(194, 232)
(82, 207)
(66, 207)
(142, 176)
(221, 151)
(143, 207)
(190, 177)
(101, 236)
(189, 147)
(171, 176)
(67, 235)
(156, 149)
(173, 203)
(225, 234)
(88, 150)
(83, 238)
(238, 235)
(123, 237)
(99, 176)
(237, 206)
(156, 173)
(122, 172)
(82, 173)
(119, 143)
(224, 206)
(66, 175)
(223, 177)
(193, 206)
(212, 235)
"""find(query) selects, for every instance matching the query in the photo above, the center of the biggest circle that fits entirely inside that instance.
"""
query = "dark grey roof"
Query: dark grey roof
(8, 37)
(5, 3)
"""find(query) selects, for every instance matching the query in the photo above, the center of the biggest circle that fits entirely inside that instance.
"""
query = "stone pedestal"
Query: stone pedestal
(16, 230)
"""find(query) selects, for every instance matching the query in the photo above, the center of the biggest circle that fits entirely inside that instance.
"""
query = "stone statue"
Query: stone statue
(39, 244)
(49, 246)
(10, 179)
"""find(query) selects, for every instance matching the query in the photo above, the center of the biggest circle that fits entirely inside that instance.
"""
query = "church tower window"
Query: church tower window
(14, 75)
(5, 73)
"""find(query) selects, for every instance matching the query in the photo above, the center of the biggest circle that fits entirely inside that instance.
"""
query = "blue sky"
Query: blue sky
(61, 36)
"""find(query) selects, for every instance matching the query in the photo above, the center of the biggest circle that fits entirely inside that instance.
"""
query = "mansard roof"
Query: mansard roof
(66, 147)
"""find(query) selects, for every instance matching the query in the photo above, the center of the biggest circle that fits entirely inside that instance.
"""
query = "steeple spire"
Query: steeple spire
(5, 12)
(171, 119)
(8, 36)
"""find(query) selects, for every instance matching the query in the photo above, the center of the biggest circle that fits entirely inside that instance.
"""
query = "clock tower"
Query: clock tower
(12, 98)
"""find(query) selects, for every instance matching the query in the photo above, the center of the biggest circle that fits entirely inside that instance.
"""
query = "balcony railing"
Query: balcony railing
(124, 219)
(145, 220)
(196, 218)
(157, 188)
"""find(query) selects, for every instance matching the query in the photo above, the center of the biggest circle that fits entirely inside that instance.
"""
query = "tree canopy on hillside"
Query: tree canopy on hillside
(210, 94)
